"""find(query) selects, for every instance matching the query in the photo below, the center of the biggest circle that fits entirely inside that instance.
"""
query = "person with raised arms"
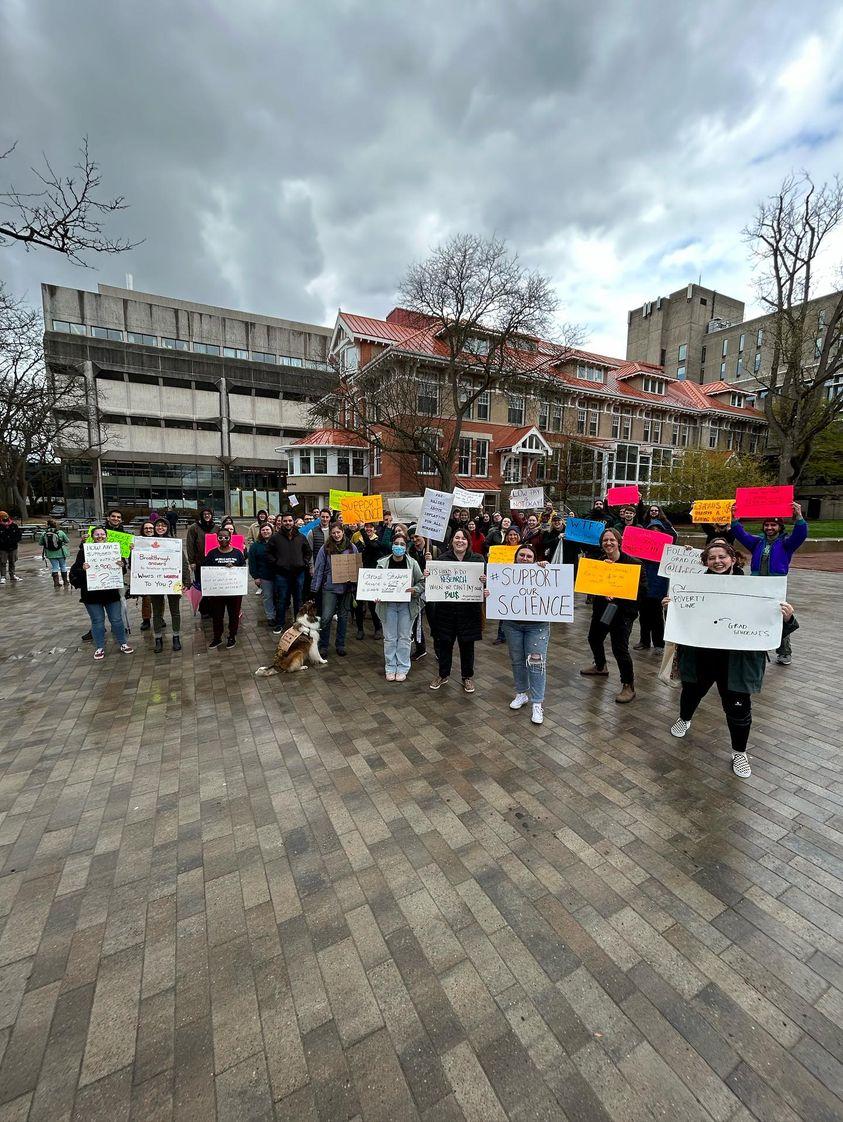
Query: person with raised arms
(613, 617)
(456, 621)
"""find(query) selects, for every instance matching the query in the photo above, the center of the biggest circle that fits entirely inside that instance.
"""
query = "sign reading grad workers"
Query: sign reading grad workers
(362, 508)
(649, 545)
(470, 499)
(384, 584)
(225, 580)
(678, 560)
(435, 512)
(583, 530)
(764, 502)
(623, 496)
(605, 578)
(123, 539)
(527, 498)
(335, 498)
(502, 554)
(212, 542)
(454, 580)
(541, 593)
(105, 565)
(156, 567)
(718, 511)
(726, 613)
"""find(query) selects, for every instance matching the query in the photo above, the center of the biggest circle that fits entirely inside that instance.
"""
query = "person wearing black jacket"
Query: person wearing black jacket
(720, 530)
(10, 536)
(613, 618)
(290, 553)
(262, 572)
(456, 621)
(224, 556)
(550, 542)
(371, 549)
(99, 603)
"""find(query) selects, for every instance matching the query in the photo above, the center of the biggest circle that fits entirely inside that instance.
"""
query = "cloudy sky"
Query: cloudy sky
(293, 157)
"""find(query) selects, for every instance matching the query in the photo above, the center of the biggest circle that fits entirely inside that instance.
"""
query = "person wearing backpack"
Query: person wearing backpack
(54, 544)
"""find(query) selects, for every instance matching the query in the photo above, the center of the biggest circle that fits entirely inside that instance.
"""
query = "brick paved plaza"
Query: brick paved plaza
(326, 897)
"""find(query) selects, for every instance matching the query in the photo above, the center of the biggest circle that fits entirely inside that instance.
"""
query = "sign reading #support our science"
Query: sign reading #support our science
(541, 593)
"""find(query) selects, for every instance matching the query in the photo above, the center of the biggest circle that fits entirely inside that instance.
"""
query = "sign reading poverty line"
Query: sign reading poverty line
(225, 580)
(454, 580)
(541, 593)
(470, 499)
(362, 508)
(718, 511)
(726, 613)
(526, 498)
(435, 512)
(123, 539)
(649, 545)
(345, 567)
(106, 566)
(583, 530)
(156, 567)
(677, 560)
(391, 585)
(608, 578)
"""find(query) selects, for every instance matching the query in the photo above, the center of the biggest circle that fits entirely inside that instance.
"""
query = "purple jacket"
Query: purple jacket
(784, 546)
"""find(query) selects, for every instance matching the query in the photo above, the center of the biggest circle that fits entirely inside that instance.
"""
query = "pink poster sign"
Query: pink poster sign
(648, 545)
(211, 542)
(620, 496)
(764, 502)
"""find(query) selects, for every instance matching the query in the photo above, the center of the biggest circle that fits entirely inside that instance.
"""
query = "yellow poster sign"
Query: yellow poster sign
(362, 508)
(607, 578)
(712, 510)
(336, 497)
(502, 554)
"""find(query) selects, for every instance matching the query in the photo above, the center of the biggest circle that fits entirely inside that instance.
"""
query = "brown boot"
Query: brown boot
(56, 581)
(65, 580)
(593, 672)
(626, 695)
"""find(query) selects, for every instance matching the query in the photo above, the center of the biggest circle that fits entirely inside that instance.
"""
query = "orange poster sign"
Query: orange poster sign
(362, 508)
(501, 554)
(607, 578)
(718, 511)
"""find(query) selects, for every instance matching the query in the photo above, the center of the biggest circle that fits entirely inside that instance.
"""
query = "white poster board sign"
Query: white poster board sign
(384, 584)
(726, 613)
(106, 567)
(531, 592)
(403, 508)
(156, 567)
(225, 580)
(470, 499)
(435, 512)
(454, 581)
(680, 560)
(293, 501)
(527, 498)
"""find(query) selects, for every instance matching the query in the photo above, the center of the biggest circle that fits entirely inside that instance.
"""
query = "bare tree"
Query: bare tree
(787, 237)
(39, 412)
(482, 322)
(62, 213)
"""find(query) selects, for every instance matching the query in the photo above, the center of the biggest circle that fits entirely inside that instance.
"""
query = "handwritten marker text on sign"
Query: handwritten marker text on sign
(526, 498)
(649, 545)
(362, 508)
(583, 530)
(764, 502)
(454, 581)
(389, 585)
(623, 496)
(435, 512)
(718, 511)
(502, 554)
(604, 578)
(541, 593)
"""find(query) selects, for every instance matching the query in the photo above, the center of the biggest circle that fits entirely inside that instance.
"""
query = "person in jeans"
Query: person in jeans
(372, 551)
(54, 544)
(162, 530)
(613, 618)
(335, 597)
(398, 617)
(100, 603)
(226, 555)
(262, 571)
(526, 641)
(10, 535)
(289, 553)
(457, 621)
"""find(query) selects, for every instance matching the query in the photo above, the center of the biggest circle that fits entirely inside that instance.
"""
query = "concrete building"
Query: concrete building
(189, 403)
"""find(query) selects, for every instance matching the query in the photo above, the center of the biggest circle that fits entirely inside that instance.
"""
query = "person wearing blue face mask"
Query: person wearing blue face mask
(398, 618)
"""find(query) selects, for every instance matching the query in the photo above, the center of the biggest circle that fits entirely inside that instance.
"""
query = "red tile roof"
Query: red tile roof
(509, 436)
(379, 329)
(717, 387)
(332, 438)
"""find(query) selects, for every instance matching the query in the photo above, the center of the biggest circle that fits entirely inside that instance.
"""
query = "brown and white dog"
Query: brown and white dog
(304, 649)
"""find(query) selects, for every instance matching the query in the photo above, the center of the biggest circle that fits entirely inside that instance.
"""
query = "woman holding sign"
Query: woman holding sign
(613, 617)
(163, 530)
(398, 617)
(224, 556)
(527, 644)
(336, 595)
(456, 621)
(102, 602)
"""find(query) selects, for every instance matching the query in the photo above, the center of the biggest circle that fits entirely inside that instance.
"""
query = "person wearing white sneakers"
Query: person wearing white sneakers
(101, 603)
(737, 674)
(527, 642)
(398, 616)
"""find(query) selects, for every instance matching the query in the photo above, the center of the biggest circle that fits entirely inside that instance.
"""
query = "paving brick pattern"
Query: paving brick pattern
(325, 897)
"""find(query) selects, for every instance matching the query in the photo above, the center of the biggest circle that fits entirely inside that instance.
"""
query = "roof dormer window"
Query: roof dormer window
(590, 373)
(476, 345)
(736, 399)
(653, 384)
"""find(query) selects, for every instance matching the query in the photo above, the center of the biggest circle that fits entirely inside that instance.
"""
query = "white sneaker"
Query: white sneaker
(17, 578)
(679, 727)
(537, 716)
(783, 660)
(2, 580)
(519, 701)
(740, 765)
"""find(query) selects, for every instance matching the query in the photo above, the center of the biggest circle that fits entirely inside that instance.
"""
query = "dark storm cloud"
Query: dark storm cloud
(288, 158)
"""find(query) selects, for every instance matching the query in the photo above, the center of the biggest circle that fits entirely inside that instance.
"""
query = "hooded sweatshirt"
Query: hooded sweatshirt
(194, 541)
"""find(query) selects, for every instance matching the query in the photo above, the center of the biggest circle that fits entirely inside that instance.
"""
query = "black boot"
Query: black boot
(145, 625)
(159, 645)
(176, 643)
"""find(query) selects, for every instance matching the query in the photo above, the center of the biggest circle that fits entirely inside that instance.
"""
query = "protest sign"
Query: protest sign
(470, 499)
(726, 613)
(764, 502)
(403, 508)
(123, 539)
(156, 567)
(362, 508)
(677, 560)
(435, 512)
(540, 593)
(501, 554)
(718, 511)
(335, 498)
(623, 496)
(608, 578)
(454, 580)
(384, 584)
(526, 498)
(225, 580)
(294, 502)
(649, 545)
(345, 567)
(212, 542)
(583, 530)
(308, 526)
(106, 569)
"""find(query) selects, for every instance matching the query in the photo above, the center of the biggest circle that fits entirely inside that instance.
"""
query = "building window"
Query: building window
(483, 405)
(515, 410)
(175, 344)
(759, 336)
(377, 455)
(725, 350)
(427, 398)
(681, 373)
(263, 356)
(753, 441)
(556, 417)
(679, 436)
(621, 424)
(343, 463)
(320, 463)
(834, 387)
(350, 359)
(756, 366)
(702, 357)
(234, 352)
(512, 472)
(722, 369)
(289, 360)
(544, 415)
(581, 419)
(357, 463)
(476, 345)
(107, 333)
(144, 340)
(464, 462)
(656, 385)
(427, 466)
(206, 348)
(652, 430)
(626, 463)
(736, 399)
(703, 302)
(713, 436)
(305, 466)
(590, 373)
(741, 342)
(683, 352)
(481, 458)
(593, 422)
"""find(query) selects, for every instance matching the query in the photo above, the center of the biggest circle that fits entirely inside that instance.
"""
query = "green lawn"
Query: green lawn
(832, 528)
